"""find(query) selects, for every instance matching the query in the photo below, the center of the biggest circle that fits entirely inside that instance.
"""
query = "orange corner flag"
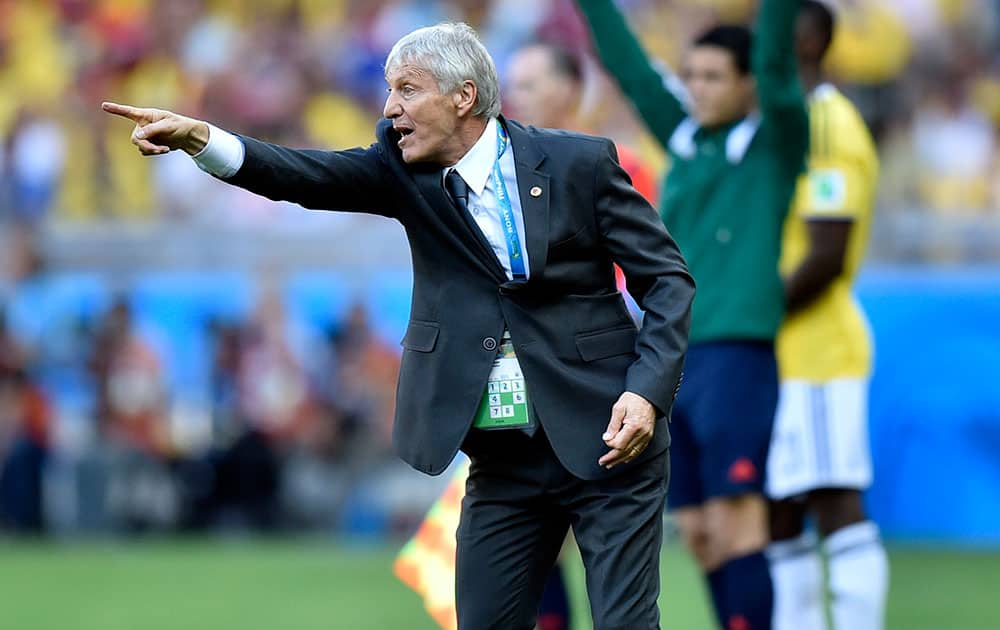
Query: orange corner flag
(426, 563)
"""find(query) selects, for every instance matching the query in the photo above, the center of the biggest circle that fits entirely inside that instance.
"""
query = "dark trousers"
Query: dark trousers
(520, 501)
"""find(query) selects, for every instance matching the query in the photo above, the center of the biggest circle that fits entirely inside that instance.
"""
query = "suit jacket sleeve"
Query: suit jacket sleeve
(355, 180)
(656, 276)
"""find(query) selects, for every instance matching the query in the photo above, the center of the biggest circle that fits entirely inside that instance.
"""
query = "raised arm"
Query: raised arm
(779, 91)
(351, 180)
(650, 92)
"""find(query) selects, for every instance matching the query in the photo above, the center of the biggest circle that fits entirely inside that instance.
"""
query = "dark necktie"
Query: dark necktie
(458, 189)
(459, 192)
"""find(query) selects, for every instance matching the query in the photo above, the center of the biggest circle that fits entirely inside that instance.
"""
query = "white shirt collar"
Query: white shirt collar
(476, 165)
(822, 91)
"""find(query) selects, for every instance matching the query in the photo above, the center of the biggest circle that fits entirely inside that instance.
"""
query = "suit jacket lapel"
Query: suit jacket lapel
(534, 193)
(429, 182)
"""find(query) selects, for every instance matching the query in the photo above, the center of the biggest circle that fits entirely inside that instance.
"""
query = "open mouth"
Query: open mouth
(404, 133)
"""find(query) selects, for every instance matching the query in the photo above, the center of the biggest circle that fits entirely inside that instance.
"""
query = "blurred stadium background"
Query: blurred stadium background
(196, 384)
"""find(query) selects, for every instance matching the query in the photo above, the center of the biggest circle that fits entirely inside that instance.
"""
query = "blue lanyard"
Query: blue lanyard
(506, 211)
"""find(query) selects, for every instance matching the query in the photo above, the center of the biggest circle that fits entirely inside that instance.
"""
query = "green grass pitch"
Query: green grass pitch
(307, 585)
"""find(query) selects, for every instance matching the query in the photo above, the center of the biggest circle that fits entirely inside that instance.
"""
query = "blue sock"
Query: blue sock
(717, 587)
(749, 593)
(554, 611)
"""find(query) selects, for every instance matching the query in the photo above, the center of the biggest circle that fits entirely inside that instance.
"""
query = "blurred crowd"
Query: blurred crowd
(308, 73)
(292, 421)
(94, 436)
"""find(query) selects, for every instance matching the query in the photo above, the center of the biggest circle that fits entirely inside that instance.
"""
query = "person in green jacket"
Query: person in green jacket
(736, 129)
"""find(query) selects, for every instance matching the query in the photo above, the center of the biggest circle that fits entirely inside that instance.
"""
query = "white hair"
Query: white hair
(452, 53)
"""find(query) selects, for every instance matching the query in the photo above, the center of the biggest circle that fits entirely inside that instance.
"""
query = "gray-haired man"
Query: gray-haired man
(519, 349)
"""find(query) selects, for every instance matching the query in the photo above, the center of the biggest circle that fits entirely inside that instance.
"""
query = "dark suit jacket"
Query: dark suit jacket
(578, 346)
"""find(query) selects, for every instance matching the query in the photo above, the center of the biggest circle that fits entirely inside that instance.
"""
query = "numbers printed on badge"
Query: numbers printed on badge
(505, 402)
(502, 405)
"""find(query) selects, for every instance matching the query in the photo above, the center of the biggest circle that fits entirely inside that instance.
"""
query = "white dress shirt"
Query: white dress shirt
(224, 152)
(222, 155)
(476, 168)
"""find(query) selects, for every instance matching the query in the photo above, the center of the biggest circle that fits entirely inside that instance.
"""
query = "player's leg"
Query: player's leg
(509, 534)
(554, 612)
(736, 528)
(796, 565)
(734, 428)
(694, 534)
(618, 524)
(856, 560)
(796, 569)
(836, 508)
(685, 496)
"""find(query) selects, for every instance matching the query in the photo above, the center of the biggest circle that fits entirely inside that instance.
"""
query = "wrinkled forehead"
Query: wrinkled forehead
(409, 70)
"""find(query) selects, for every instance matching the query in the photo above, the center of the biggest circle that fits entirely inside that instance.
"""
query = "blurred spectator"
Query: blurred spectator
(305, 72)
(20, 255)
(131, 420)
(274, 397)
(227, 339)
(956, 151)
(130, 394)
(367, 370)
(36, 154)
(262, 410)
(25, 418)
(353, 380)
(25, 415)
(295, 424)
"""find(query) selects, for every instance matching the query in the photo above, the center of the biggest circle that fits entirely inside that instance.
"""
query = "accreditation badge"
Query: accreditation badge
(505, 402)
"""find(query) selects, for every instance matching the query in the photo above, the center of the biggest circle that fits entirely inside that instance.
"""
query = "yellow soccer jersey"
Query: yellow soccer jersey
(829, 338)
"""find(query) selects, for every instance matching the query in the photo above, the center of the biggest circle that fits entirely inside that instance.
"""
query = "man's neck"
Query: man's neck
(466, 137)
(725, 124)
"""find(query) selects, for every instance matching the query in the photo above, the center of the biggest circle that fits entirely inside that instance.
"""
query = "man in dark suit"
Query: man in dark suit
(519, 347)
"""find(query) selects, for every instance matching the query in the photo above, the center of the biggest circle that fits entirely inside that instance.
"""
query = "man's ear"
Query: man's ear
(464, 98)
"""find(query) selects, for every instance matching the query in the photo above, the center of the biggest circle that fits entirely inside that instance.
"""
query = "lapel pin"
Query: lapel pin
(535, 191)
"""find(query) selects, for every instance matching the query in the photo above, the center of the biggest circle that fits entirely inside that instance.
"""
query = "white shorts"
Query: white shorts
(820, 438)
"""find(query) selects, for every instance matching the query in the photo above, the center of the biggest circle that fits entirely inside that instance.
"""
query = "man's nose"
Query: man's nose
(392, 107)
(695, 88)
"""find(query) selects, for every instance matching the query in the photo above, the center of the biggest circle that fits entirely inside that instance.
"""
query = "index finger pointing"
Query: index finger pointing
(132, 113)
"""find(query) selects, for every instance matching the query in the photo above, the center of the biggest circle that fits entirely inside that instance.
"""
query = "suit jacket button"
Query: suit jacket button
(489, 343)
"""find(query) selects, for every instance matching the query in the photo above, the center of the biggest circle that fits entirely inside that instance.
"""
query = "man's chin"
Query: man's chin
(412, 157)
(706, 118)
(409, 155)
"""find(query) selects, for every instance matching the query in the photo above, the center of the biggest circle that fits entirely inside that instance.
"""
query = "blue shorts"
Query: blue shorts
(722, 420)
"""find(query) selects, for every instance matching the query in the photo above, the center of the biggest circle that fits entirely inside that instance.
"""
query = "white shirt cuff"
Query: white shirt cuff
(222, 155)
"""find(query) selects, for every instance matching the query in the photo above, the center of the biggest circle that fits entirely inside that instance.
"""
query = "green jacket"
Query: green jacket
(728, 190)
